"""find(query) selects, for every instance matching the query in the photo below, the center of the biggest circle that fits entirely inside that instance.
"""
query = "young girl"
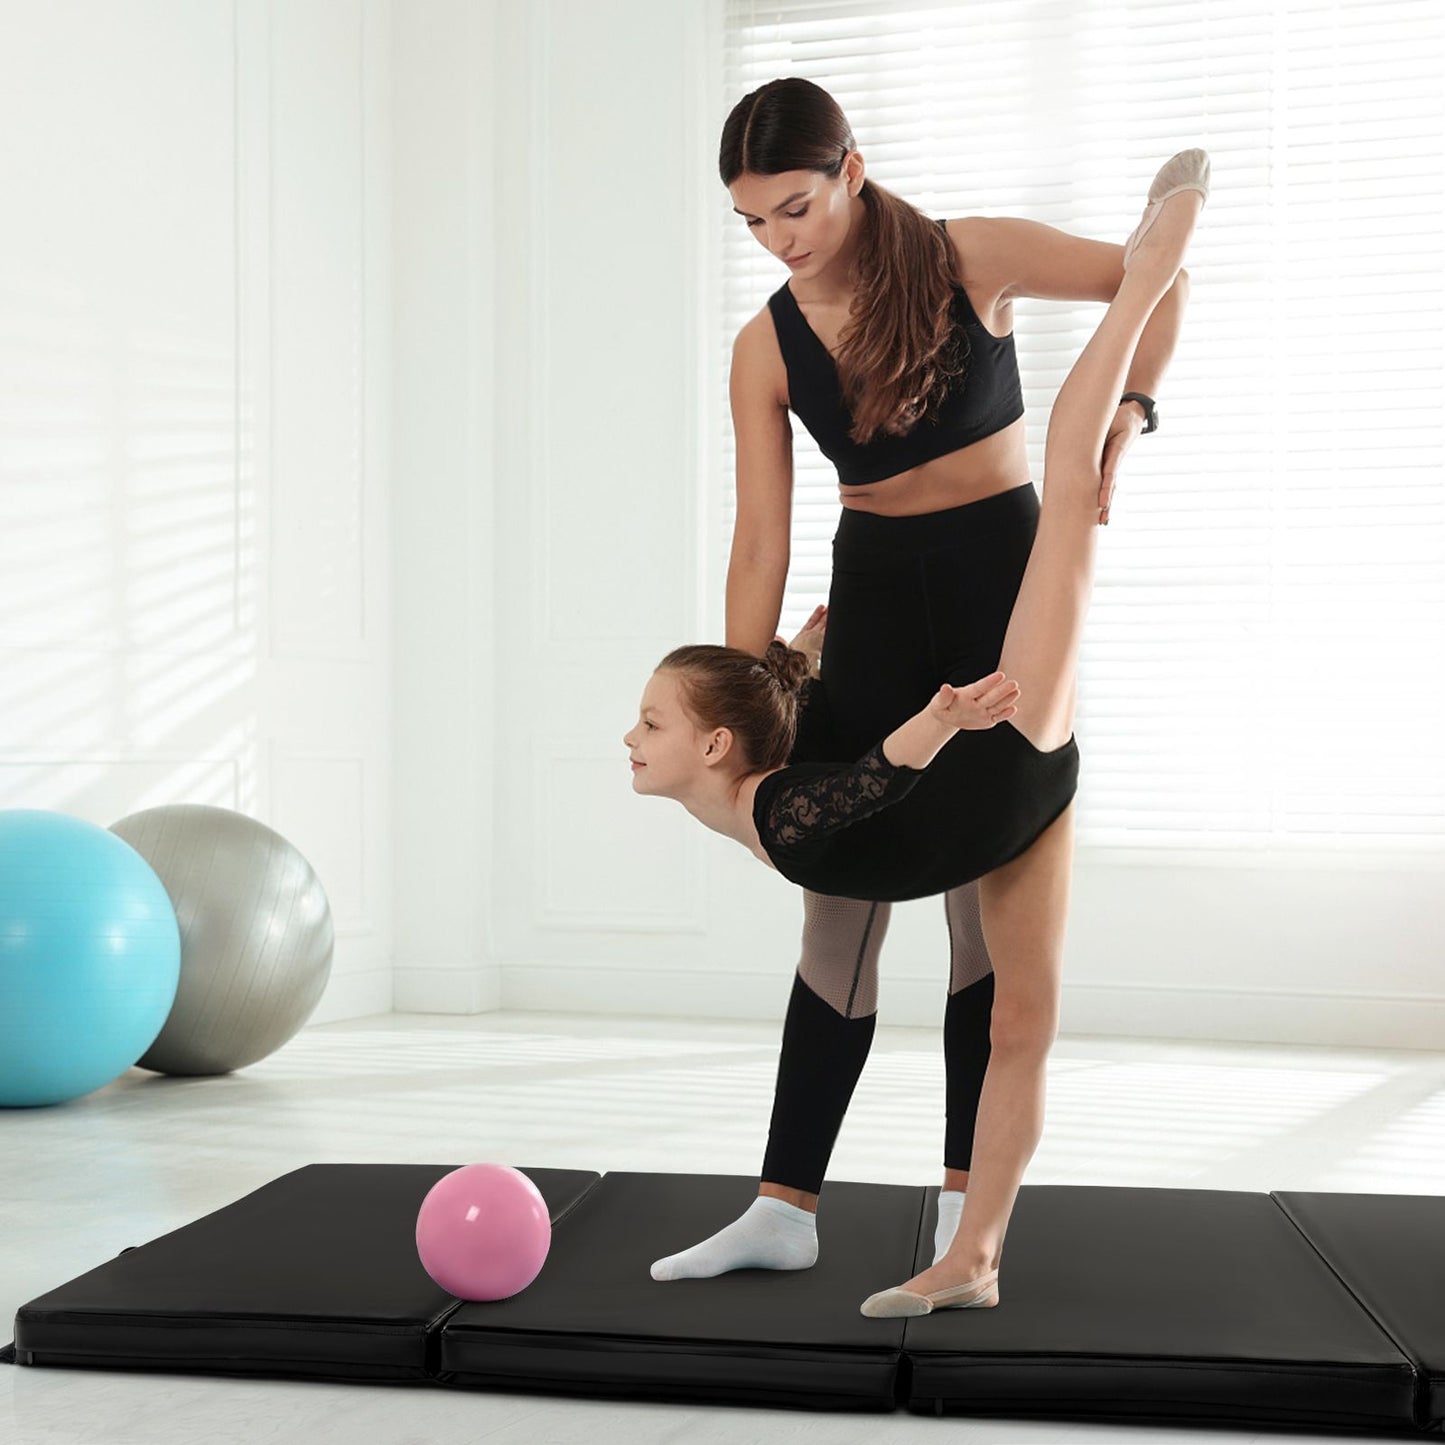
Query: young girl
(951, 795)
(985, 803)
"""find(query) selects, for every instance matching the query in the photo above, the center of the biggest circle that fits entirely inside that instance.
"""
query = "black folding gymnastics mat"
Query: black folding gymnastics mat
(1292, 1310)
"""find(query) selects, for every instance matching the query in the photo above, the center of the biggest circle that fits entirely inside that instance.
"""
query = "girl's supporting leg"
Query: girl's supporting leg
(1025, 906)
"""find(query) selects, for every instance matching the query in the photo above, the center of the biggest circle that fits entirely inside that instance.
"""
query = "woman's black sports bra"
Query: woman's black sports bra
(986, 398)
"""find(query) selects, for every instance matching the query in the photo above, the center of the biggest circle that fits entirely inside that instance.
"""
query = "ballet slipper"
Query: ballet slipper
(890, 1304)
(1187, 171)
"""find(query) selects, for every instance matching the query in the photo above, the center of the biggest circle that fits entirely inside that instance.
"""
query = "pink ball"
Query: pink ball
(483, 1232)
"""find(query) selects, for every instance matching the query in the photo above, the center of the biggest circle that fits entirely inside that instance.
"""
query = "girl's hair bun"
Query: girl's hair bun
(788, 666)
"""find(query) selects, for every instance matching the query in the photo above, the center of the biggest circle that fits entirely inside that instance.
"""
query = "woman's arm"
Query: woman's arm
(1009, 256)
(762, 540)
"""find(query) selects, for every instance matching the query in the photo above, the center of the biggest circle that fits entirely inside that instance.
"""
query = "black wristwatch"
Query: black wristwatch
(1151, 415)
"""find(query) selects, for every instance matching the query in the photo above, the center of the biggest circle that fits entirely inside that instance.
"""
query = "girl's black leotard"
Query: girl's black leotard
(874, 830)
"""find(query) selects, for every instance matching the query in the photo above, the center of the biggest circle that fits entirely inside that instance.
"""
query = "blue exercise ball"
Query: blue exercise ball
(90, 956)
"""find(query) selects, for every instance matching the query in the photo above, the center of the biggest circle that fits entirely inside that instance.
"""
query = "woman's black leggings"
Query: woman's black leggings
(914, 602)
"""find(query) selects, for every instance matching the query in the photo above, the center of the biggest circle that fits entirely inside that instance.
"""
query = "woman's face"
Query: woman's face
(665, 744)
(802, 217)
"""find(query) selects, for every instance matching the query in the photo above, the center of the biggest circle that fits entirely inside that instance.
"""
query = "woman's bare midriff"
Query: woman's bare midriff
(998, 463)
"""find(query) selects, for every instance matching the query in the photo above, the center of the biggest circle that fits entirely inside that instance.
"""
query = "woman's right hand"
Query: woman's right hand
(976, 705)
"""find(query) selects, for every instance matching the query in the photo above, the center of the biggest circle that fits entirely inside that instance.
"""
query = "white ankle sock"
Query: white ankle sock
(769, 1234)
(950, 1211)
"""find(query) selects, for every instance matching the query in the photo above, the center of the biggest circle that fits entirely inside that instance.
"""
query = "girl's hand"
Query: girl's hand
(976, 705)
(810, 639)
(1127, 424)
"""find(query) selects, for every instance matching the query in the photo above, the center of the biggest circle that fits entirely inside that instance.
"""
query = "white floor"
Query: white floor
(80, 1182)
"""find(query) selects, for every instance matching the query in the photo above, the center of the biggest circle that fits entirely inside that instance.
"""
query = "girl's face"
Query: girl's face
(665, 742)
(802, 217)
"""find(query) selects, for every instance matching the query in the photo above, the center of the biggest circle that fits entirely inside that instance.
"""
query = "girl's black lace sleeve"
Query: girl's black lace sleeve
(813, 808)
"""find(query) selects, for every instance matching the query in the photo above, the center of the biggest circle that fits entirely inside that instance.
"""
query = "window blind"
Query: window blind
(1262, 664)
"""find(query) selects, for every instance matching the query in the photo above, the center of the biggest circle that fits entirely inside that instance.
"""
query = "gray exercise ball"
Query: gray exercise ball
(256, 935)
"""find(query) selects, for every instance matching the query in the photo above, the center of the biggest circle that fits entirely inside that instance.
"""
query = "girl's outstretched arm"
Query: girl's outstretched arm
(975, 705)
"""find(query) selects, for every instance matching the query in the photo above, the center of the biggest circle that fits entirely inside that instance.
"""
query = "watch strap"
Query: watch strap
(1151, 414)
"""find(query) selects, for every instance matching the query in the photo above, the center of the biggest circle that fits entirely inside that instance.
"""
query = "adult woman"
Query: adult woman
(1022, 870)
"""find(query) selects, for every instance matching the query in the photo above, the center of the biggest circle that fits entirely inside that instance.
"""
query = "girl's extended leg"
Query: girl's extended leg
(1024, 904)
(1041, 646)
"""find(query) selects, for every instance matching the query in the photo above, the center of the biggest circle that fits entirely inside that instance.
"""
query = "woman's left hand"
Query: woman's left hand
(810, 639)
(1127, 424)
